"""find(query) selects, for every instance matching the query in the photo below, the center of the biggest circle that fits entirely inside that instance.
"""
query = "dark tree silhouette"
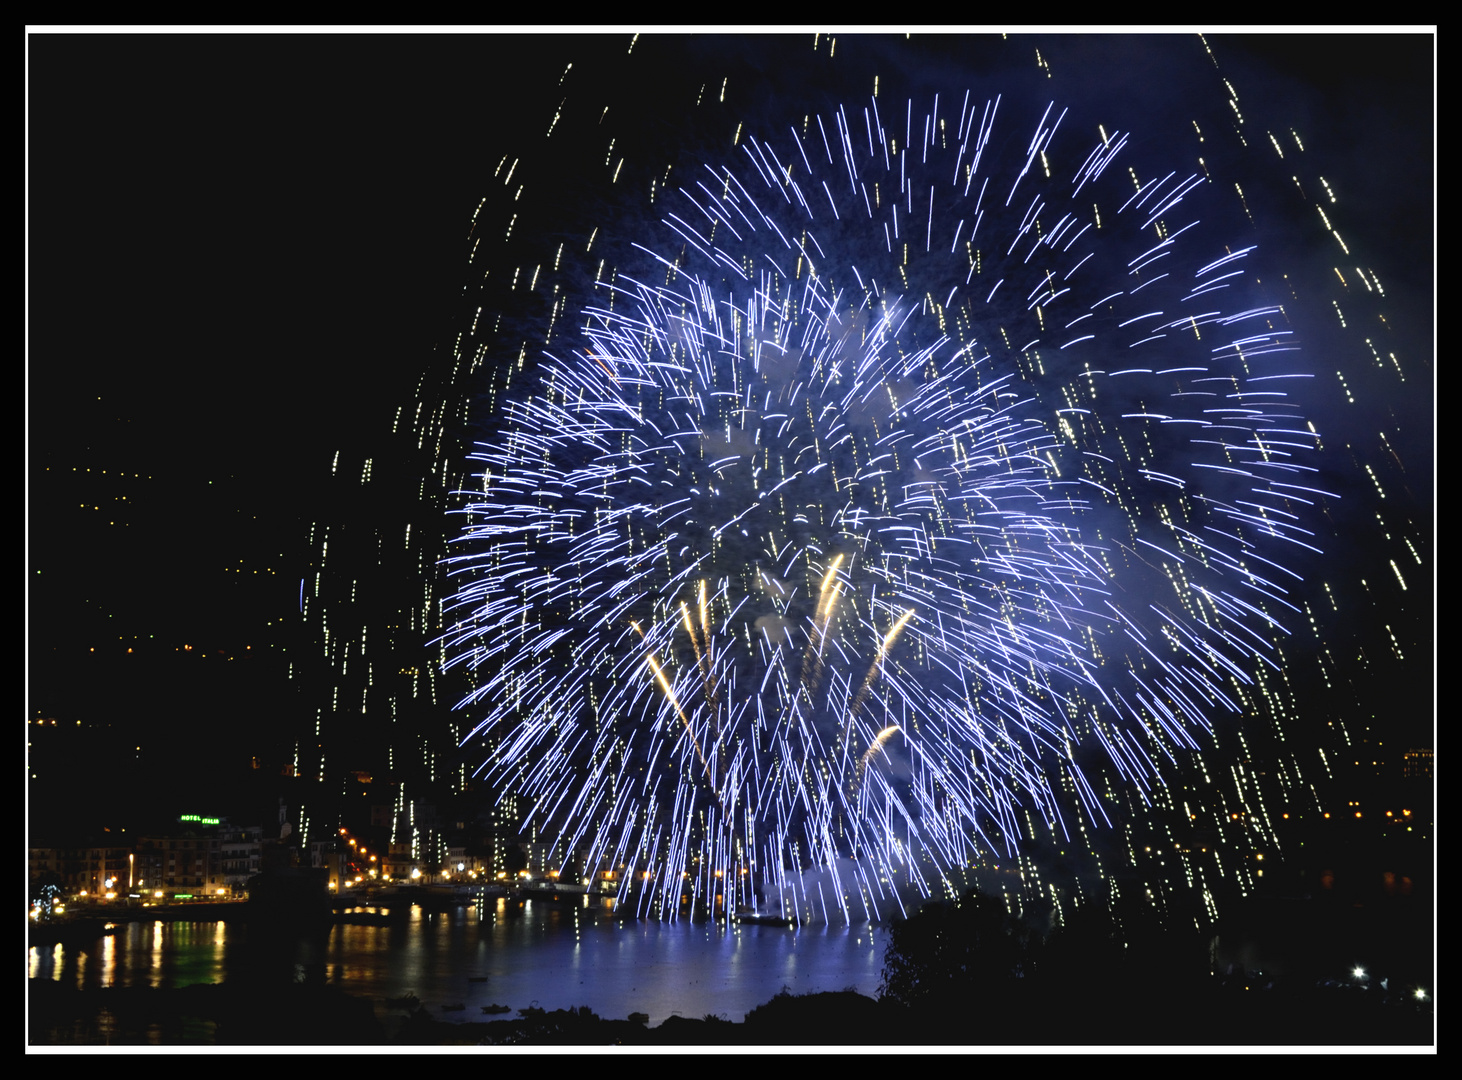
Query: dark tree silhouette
(953, 951)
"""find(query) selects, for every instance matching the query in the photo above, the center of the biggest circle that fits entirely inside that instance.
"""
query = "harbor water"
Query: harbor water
(514, 953)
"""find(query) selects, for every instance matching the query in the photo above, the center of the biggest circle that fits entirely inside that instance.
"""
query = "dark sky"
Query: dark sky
(242, 248)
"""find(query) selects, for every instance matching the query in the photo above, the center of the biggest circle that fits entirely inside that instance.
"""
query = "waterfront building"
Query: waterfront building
(239, 855)
(180, 867)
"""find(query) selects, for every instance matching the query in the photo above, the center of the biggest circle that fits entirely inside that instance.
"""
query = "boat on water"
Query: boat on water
(449, 891)
(748, 917)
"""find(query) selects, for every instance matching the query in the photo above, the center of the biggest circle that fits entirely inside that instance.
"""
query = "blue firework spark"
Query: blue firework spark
(926, 472)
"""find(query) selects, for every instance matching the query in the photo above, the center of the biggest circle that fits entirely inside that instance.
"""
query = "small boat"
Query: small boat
(494, 1009)
(763, 918)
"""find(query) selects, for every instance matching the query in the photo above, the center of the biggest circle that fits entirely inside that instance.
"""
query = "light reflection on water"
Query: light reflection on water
(514, 953)
(155, 954)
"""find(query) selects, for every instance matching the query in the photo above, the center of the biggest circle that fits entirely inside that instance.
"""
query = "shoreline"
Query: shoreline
(246, 1014)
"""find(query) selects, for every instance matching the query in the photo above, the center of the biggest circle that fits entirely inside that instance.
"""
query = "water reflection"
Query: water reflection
(152, 954)
(509, 952)
(46, 962)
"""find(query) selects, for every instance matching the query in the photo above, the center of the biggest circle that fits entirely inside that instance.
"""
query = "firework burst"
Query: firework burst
(927, 472)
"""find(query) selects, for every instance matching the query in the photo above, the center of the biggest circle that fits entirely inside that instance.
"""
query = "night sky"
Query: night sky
(242, 248)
